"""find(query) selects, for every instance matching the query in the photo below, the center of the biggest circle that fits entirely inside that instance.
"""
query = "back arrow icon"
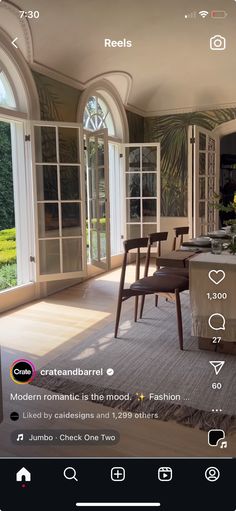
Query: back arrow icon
(14, 41)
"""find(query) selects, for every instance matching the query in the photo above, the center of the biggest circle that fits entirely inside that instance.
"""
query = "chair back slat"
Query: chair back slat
(158, 236)
(135, 243)
(179, 231)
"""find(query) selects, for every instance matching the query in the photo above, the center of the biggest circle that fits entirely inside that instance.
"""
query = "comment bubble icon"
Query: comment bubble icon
(216, 321)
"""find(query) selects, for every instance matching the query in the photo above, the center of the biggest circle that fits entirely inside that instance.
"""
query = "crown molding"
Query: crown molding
(183, 110)
(72, 82)
(55, 75)
(135, 110)
(108, 77)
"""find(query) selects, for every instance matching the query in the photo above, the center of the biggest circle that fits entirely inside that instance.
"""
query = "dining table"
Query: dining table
(203, 243)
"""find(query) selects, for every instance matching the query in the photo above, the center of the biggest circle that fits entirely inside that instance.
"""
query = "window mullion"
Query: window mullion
(59, 198)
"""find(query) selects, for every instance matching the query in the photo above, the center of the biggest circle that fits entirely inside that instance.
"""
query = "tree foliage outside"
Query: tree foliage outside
(7, 217)
(8, 272)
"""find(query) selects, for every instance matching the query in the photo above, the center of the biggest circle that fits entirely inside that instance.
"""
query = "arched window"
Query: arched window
(97, 116)
(6, 93)
(100, 108)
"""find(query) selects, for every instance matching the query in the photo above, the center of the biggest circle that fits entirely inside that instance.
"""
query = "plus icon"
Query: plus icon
(117, 474)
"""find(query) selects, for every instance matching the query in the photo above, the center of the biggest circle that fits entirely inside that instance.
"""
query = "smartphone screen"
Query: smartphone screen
(117, 254)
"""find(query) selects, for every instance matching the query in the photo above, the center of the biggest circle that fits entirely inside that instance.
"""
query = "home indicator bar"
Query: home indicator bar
(118, 504)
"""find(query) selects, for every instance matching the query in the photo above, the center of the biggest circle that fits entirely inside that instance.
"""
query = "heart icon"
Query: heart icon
(216, 276)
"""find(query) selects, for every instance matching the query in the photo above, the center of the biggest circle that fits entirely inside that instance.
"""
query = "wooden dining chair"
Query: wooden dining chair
(156, 237)
(126, 293)
(179, 231)
(167, 270)
(163, 283)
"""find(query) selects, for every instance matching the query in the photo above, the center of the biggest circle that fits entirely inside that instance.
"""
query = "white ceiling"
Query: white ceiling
(170, 64)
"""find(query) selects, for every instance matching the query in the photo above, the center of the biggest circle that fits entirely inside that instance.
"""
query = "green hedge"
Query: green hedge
(7, 247)
(94, 221)
(8, 276)
(8, 234)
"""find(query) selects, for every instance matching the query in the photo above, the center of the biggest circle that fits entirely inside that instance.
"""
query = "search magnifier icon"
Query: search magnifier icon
(70, 473)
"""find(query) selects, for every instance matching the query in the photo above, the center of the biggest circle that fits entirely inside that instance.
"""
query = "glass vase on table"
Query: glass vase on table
(216, 246)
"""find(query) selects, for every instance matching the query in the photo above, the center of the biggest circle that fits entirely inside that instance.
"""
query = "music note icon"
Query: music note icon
(223, 445)
(20, 437)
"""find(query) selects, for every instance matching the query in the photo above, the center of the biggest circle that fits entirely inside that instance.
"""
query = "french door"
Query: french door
(97, 182)
(203, 180)
(59, 197)
(71, 199)
(142, 189)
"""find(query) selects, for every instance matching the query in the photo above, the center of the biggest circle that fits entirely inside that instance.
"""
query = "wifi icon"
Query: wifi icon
(203, 14)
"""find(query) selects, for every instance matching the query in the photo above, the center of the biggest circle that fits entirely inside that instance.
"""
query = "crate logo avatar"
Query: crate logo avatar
(22, 371)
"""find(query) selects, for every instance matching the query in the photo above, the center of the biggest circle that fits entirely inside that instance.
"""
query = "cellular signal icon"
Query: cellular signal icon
(203, 14)
(192, 15)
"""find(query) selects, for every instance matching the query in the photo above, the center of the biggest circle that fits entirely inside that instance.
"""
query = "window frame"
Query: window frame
(22, 190)
(140, 198)
(12, 91)
(104, 125)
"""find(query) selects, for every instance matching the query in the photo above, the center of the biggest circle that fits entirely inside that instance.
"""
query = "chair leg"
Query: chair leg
(118, 315)
(136, 309)
(156, 300)
(179, 319)
(142, 306)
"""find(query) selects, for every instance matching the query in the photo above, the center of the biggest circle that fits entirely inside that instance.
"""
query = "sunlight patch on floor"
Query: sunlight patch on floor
(43, 327)
(114, 275)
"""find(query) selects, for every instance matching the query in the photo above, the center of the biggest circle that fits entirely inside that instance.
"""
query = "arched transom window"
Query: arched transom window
(6, 94)
(98, 116)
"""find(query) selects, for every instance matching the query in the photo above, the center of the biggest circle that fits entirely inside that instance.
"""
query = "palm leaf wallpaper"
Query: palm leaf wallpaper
(58, 102)
(172, 132)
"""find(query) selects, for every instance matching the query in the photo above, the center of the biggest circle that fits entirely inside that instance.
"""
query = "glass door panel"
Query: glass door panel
(98, 218)
(60, 201)
(142, 189)
(205, 175)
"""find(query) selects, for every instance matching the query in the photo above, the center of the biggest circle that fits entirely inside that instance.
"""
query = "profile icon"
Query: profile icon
(212, 474)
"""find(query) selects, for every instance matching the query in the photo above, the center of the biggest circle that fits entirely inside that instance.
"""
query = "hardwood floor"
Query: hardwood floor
(44, 329)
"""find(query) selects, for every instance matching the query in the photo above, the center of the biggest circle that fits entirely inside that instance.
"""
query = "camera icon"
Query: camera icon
(217, 43)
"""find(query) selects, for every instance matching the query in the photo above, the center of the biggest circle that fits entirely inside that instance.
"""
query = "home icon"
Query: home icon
(23, 475)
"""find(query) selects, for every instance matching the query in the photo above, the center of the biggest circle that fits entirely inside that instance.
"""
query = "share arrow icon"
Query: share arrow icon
(217, 364)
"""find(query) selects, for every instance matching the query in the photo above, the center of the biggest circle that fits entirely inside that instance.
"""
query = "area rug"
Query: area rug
(146, 359)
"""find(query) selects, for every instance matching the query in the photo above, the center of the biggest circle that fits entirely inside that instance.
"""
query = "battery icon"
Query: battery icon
(219, 14)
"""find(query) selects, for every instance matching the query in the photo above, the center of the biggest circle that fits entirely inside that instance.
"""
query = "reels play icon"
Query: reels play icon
(165, 474)
(22, 371)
